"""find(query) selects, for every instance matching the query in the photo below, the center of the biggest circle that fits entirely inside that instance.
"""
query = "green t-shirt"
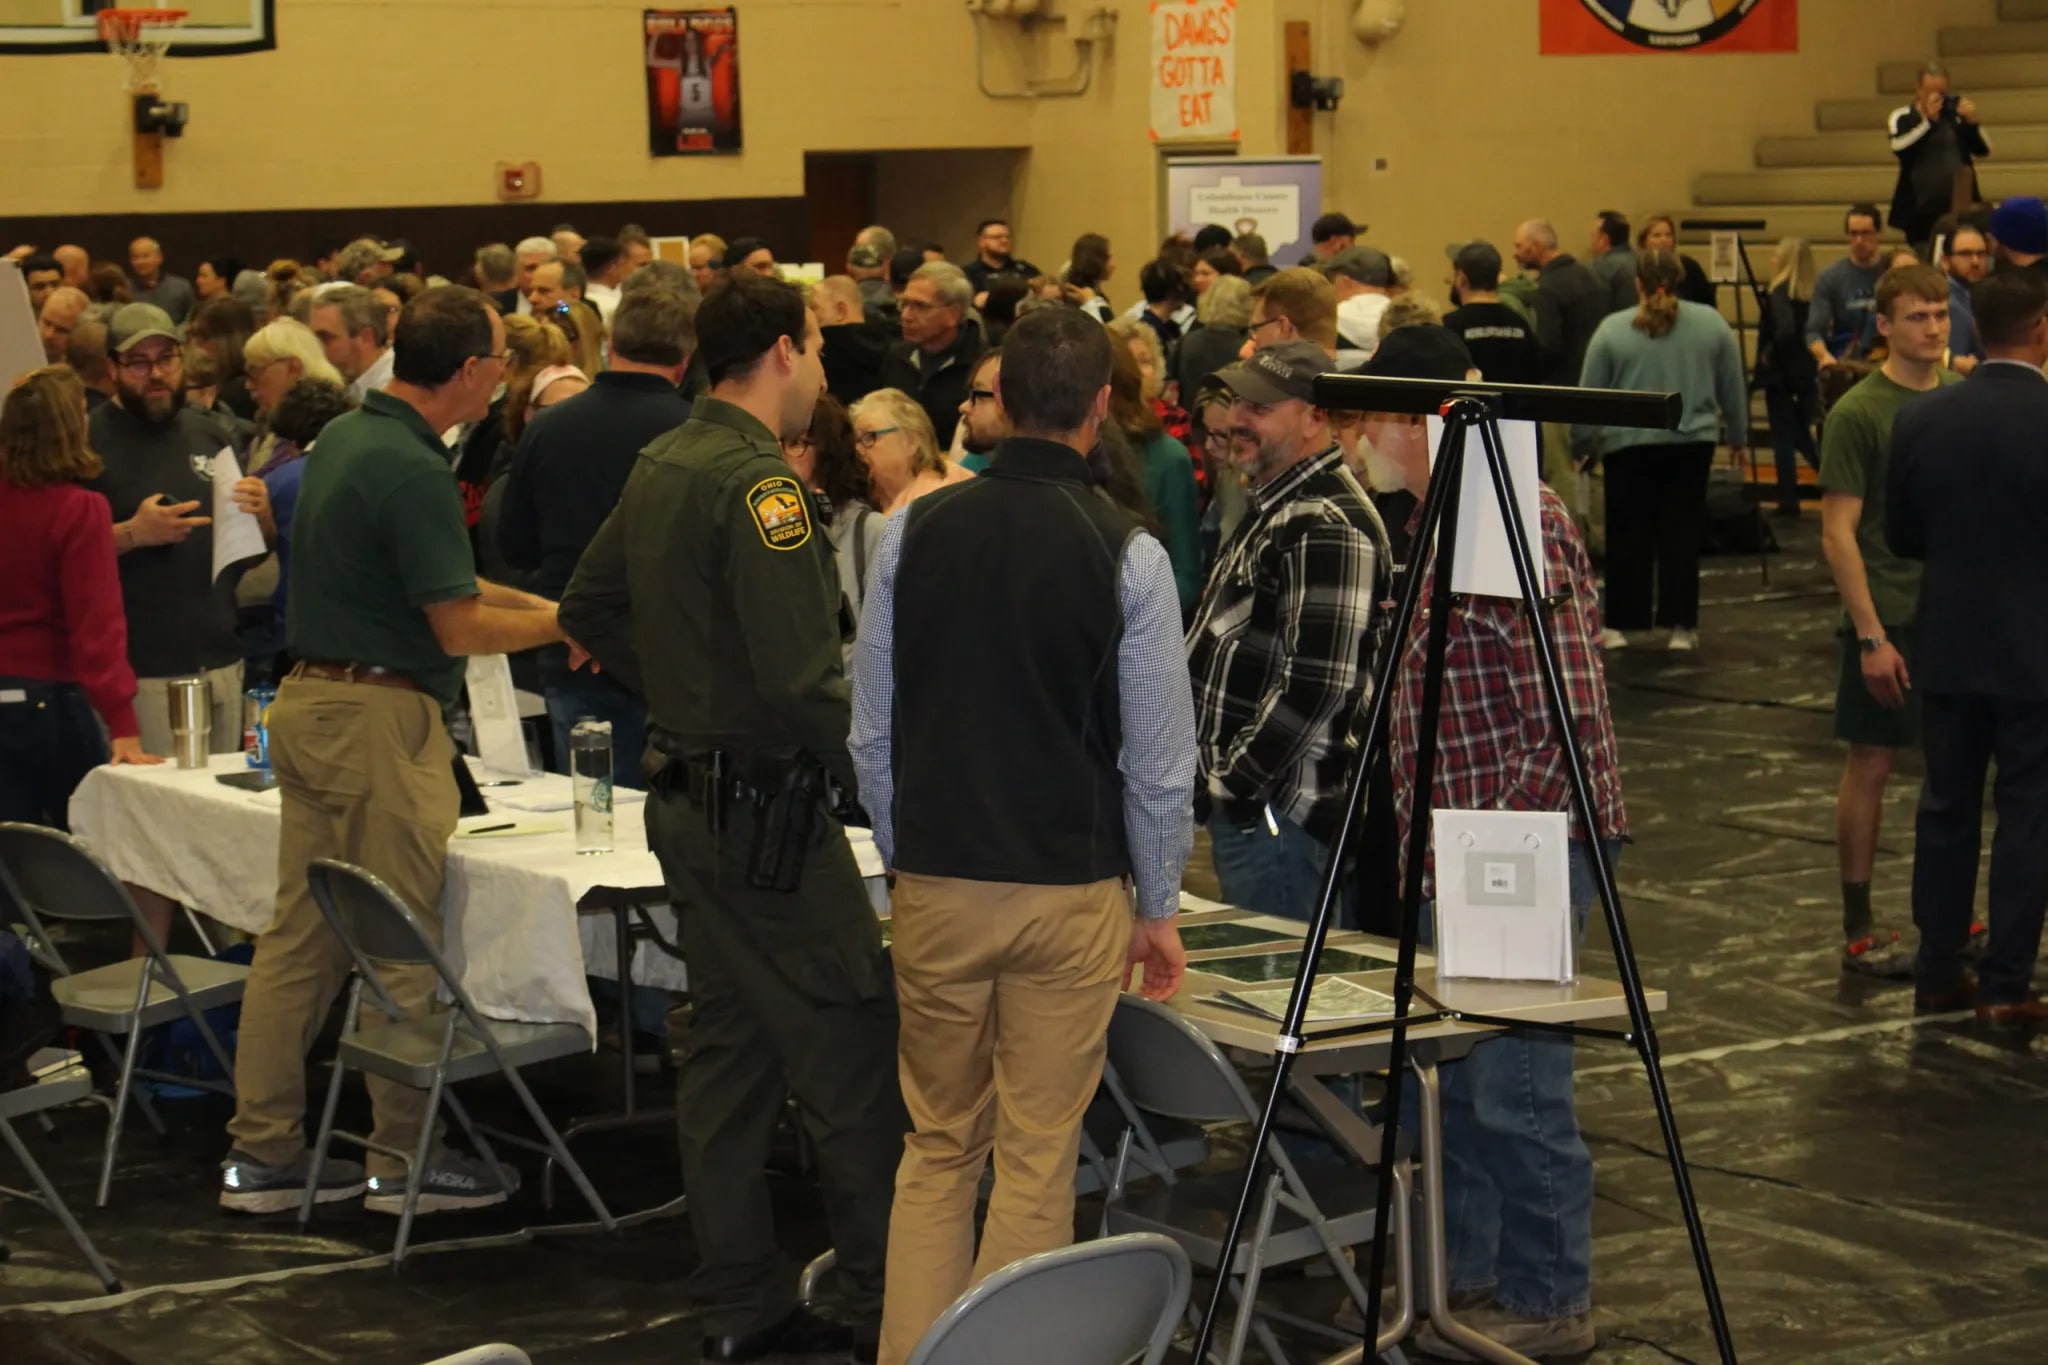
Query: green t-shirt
(1855, 452)
(377, 535)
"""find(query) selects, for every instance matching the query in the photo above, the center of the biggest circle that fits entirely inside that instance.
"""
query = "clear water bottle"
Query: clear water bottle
(590, 771)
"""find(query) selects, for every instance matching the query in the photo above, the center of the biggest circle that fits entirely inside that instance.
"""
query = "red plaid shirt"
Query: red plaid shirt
(1496, 746)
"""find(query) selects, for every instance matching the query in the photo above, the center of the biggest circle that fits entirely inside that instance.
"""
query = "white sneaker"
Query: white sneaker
(1611, 638)
(1683, 639)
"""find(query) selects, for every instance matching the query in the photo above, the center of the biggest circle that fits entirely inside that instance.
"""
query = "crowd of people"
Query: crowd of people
(843, 533)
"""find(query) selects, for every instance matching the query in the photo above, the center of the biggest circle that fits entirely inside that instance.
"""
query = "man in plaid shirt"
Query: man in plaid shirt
(1279, 648)
(1519, 1180)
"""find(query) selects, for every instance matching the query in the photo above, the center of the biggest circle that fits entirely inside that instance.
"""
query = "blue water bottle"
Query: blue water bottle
(256, 725)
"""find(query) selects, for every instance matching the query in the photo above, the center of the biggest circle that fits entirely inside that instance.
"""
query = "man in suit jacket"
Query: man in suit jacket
(1968, 493)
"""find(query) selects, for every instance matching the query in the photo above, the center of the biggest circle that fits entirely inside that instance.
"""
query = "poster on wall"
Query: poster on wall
(1194, 70)
(1579, 27)
(1277, 197)
(693, 81)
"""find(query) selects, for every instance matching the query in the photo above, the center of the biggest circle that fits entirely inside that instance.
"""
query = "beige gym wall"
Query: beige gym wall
(377, 102)
(1480, 133)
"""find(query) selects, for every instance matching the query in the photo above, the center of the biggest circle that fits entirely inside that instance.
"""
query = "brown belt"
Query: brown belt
(354, 673)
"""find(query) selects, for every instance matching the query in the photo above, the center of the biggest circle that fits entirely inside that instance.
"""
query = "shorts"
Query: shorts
(1858, 717)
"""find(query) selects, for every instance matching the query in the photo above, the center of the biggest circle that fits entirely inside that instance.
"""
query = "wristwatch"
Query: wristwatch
(1871, 643)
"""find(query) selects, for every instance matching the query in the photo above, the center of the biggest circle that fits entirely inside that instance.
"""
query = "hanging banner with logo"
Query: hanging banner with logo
(693, 82)
(1578, 27)
(1194, 70)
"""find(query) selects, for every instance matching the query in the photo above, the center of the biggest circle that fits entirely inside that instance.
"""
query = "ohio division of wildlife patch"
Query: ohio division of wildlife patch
(781, 512)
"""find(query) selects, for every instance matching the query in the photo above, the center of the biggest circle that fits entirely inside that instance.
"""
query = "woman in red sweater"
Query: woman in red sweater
(63, 639)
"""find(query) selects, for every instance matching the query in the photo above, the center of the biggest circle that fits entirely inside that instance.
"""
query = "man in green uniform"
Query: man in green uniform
(385, 601)
(711, 591)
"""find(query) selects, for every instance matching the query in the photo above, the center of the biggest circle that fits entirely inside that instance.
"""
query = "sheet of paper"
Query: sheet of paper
(1332, 999)
(541, 801)
(1484, 565)
(237, 535)
(1503, 895)
(494, 711)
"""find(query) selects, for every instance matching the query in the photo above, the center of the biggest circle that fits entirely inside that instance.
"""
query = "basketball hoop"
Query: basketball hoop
(140, 37)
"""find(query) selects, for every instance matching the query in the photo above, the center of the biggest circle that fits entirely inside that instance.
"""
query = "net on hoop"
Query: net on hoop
(140, 37)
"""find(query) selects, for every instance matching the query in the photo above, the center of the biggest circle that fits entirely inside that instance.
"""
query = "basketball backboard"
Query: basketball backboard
(212, 27)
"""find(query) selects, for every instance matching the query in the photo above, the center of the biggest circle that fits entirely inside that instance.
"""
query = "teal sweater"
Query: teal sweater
(1170, 488)
(1698, 358)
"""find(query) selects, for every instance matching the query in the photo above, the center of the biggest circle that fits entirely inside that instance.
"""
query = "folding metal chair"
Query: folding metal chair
(65, 1086)
(1159, 1146)
(52, 875)
(1098, 1303)
(1169, 1068)
(429, 1052)
(497, 1353)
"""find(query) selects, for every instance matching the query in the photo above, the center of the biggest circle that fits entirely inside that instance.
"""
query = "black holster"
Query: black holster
(786, 823)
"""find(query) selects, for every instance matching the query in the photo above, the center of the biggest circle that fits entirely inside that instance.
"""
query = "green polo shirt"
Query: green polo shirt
(379, 534)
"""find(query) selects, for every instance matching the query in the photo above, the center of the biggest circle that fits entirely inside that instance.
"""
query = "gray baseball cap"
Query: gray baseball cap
(1277, 373)
(136, 323)
(1367, 265)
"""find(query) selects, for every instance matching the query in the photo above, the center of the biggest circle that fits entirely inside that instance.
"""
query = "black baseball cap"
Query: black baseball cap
(1277, 373)
(1333, 225)
(737, 250)
(1420, 351)
(1478, 260)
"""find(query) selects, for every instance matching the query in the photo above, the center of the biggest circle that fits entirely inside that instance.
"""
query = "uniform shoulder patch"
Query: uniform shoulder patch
(781, 511)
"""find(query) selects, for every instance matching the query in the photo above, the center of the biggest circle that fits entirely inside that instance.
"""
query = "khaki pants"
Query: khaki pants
(1005, 993)
(153, 711)
(366, 774)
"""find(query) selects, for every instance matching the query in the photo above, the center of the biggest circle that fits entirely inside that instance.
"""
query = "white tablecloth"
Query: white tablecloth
(509, 908)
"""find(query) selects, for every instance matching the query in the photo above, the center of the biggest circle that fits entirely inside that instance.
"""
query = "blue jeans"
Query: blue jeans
(1518, 1180)
(1266, 873)
(49, 740)
(570, 698)
(578, 695)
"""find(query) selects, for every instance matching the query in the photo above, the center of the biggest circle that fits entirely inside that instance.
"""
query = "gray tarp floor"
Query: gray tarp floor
(1869, 1181)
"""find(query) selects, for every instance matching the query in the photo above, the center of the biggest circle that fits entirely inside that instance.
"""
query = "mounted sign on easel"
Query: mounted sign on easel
(1194, 70)
(1277, 197)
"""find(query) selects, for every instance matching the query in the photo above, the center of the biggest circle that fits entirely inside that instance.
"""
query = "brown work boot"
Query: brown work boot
(1537, 1338)
(2014, 1014)
(1960, 996)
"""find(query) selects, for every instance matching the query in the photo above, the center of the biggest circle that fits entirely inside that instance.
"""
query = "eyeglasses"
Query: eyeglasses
(1968, 255)
(1216, 440)
(980, 396)
(866, 439)
(920, 306)
(505, 358)
(1259, 327)
(142, 365)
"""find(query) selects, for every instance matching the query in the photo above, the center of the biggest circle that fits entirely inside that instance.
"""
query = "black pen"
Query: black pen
(492, 829)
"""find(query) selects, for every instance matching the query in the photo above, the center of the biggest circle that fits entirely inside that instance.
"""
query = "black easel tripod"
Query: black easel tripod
(1466, 408)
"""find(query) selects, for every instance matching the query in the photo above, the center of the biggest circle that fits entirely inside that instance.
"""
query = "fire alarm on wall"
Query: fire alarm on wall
(519, 180)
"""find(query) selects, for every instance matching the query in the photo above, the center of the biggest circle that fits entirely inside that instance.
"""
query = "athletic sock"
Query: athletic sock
(1856, 917)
